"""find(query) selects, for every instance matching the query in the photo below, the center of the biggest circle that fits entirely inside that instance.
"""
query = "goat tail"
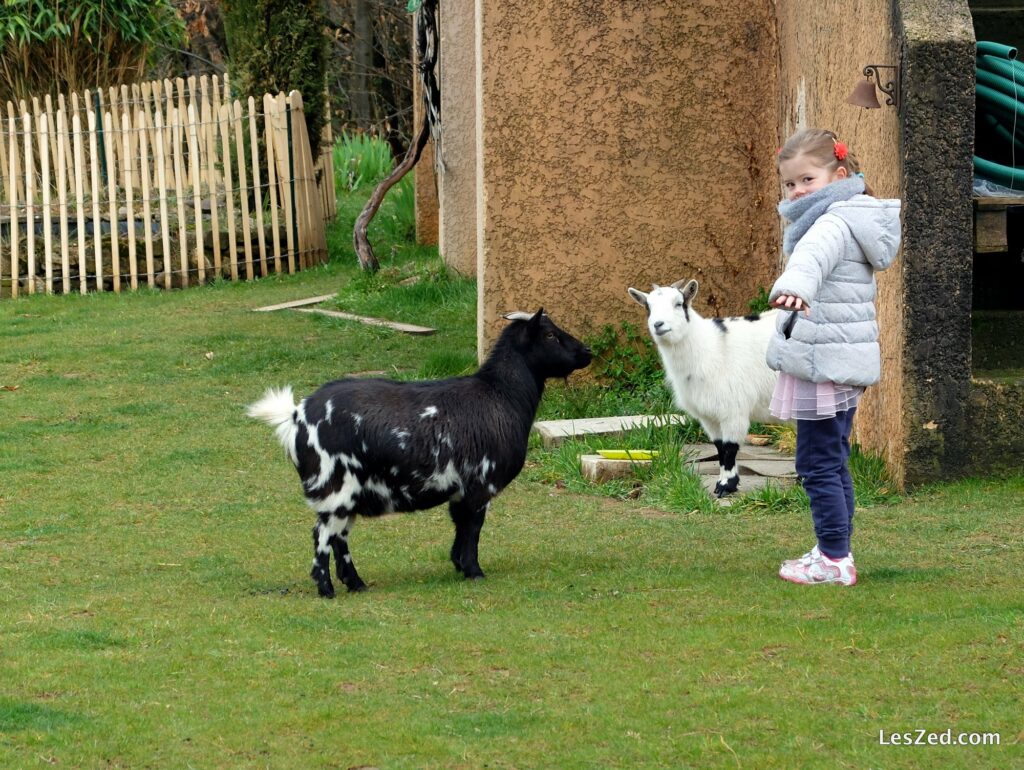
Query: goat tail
(277, 409)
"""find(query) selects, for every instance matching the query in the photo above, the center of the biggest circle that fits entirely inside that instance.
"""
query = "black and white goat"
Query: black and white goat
(715, 367)
(371, 446)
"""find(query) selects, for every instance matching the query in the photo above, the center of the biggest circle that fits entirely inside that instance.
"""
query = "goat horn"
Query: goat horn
(518, 315)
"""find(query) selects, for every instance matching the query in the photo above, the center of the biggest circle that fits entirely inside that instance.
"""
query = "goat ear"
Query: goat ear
(534, 323)
(687, 288)
(638, 296)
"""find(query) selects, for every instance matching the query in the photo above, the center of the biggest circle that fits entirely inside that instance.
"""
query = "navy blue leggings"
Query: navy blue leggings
(822, 457)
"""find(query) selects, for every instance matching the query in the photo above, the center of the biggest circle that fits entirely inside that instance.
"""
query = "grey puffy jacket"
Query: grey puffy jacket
(832, 268)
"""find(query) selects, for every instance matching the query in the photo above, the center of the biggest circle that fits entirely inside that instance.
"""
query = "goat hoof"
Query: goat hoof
(355, 586)
(724, 490)
(477, 574)
(325, 591)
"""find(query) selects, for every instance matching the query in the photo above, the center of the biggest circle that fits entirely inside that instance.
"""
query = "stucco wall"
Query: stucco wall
(623, 142)
(917, 415)
(457, 177)
(817, 74)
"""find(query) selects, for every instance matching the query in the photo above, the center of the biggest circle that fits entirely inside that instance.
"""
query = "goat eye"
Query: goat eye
(550, 335)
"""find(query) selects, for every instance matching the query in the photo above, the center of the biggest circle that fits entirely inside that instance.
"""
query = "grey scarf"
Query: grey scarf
(803, 212)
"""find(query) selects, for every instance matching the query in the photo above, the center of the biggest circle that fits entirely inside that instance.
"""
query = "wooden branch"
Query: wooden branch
(367, 259)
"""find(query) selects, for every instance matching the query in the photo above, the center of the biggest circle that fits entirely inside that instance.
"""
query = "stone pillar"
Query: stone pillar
(457, 179)
(938, 146)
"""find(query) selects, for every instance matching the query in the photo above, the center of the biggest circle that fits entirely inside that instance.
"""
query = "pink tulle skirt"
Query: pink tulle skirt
(796, 399)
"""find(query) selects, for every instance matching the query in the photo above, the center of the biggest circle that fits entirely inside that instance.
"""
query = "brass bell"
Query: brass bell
(864, 96)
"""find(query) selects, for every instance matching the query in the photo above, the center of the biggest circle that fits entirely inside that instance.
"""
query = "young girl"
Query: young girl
(826, 348)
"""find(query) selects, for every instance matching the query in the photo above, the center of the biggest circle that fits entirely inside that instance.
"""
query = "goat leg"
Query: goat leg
(321, 572)
(729, 477)
(469, 520)
(343, 565)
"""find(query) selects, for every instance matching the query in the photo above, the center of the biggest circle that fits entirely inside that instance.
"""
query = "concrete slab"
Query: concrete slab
(554, 432)
(747, 484)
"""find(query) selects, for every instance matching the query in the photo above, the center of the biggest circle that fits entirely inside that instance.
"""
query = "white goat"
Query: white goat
(715, 367)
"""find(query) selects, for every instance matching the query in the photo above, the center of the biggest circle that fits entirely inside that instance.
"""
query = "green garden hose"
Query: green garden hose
(1000, 104)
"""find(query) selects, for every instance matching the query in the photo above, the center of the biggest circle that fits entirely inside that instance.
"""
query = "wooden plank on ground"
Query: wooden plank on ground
(554, 432)
(400, 327)
(296, 303)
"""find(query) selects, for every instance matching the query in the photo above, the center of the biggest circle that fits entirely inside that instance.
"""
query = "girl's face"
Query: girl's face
(801, 176)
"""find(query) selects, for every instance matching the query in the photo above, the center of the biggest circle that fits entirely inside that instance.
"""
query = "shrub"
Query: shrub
(68, 47)
(625, 359)
(279, 45)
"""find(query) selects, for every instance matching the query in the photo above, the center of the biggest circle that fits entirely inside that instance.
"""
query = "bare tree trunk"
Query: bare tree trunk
(364, 251)
(362, 62)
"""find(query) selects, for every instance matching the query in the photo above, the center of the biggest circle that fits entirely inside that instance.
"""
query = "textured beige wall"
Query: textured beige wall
(457, 177)
(817, 74)
(623, 142)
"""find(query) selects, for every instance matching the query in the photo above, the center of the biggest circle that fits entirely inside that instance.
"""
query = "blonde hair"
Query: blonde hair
(819, 145)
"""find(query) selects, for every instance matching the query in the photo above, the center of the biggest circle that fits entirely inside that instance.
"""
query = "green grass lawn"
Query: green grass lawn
(157, 612)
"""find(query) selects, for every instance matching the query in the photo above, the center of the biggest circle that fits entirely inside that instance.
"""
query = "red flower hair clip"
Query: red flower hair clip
(840, 150)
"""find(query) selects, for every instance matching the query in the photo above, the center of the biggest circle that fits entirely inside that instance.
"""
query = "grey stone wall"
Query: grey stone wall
(938, 140)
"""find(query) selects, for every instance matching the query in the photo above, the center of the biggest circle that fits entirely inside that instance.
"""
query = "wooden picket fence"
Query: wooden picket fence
(162, 184)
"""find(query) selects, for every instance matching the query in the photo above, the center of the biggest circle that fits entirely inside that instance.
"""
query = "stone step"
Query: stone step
(755, 464)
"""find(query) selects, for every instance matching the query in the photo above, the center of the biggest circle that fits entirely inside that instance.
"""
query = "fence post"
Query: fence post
(254, 144)
(229, 192)
(12, 192)
(97, 110)
(269, 116)
(60, 139)
(179, 192)
(127, 168)
(76, 129)
(44, 159)
(243, 192)
(30, 194)
(161, 160)
(197, 198)
(95, 143)
(141, 122)
(109, 139)
(291, 185)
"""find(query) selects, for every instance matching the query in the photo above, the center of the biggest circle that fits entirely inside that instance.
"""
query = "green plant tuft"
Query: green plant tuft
(760, 303)
(360, 162)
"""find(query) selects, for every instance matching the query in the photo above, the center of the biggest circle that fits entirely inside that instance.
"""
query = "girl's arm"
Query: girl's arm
(814, 258)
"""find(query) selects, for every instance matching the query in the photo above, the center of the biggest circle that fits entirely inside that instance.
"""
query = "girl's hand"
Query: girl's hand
(790, 302)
